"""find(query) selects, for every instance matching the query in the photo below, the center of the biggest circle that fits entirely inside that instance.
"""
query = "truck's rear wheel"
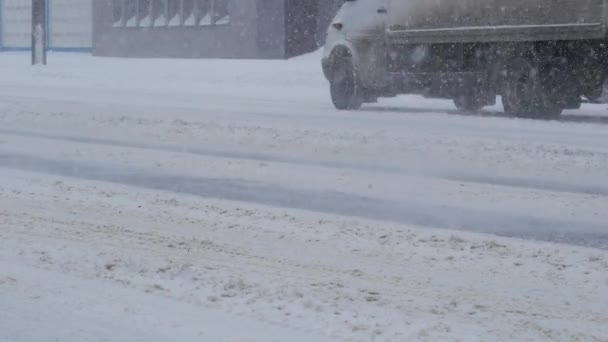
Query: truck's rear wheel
(468, 103)
(524, 94)
(346, 92)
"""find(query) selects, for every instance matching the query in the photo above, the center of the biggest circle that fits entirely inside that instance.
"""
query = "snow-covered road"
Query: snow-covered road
(233, 189)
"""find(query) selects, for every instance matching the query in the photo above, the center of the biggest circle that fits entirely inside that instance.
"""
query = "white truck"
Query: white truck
(541, 56)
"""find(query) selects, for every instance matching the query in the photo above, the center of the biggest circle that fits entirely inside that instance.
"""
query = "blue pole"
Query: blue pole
(1, 33)
(48, 24)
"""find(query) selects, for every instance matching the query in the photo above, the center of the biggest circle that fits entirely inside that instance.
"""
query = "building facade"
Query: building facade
(69, 24)
(173, 28)
(209, 28)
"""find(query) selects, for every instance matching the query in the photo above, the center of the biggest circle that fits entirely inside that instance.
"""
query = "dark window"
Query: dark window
(221, 15)
(130, 12)
(117, 13)
(213, 12)
(173, 12)
(144, 13)
(162, 13)
(159, 13)
(203, 16)
(188, 13)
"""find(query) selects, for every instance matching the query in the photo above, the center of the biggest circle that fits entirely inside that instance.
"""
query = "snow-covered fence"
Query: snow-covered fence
(69, 25)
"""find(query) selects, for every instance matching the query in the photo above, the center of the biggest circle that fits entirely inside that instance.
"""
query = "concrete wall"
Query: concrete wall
(257, 29)
(270, 28)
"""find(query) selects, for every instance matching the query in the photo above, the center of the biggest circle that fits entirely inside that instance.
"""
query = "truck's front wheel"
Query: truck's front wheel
(524, 94)
(346, 92)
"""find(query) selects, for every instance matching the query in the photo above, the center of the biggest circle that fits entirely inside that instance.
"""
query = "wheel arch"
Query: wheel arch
(335, 52)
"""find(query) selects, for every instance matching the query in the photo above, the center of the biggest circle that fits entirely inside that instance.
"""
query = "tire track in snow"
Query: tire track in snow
(409, 212)
(524, 183)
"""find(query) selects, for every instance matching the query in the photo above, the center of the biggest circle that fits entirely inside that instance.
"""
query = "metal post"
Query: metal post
(39, 32)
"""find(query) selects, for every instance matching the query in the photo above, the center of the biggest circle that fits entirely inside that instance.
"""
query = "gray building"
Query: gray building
(210, 28)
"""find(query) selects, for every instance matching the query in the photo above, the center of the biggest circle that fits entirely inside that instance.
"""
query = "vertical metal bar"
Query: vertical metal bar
(137, 3)
(1, 28)
(604, 18)
(180, 12)
(34, 22)
(183, 14)
(212, 11)
(47, 22)
(166, 3)
(44, 26)
(195, 11)
(151, 12)
(39, 26)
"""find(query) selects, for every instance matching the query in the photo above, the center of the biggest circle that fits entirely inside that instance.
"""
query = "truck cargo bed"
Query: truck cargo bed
(423, 21)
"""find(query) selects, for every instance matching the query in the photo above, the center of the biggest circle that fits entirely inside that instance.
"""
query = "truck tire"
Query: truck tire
(345, 89)
(524, 94)
(468, 103)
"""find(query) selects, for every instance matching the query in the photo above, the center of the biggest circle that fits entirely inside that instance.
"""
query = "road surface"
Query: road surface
(246, 162)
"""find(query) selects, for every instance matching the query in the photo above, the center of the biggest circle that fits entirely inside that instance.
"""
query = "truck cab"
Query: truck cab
(354, 58)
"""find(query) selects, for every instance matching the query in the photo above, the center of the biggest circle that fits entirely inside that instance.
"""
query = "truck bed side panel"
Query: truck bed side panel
(444, 21)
